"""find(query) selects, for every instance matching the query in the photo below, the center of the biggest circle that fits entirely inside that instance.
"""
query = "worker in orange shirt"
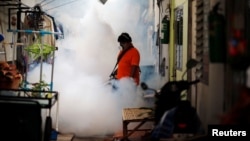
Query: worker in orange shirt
(128, 59)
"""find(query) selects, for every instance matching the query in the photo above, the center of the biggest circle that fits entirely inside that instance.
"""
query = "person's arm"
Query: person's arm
(135, 63)
(133, 71)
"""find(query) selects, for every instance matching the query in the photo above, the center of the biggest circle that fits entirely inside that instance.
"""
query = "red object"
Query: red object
(182, 125)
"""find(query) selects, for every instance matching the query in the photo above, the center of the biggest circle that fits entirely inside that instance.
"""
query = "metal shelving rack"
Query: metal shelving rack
(23, 96)
(41, 99)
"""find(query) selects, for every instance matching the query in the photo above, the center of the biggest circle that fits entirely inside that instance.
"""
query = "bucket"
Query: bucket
(53, 136)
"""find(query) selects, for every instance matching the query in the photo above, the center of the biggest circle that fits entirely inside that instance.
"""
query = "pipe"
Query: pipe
(42, 32)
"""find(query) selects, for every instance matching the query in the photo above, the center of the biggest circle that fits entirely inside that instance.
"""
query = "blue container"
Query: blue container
(1, 37)
(53, 136)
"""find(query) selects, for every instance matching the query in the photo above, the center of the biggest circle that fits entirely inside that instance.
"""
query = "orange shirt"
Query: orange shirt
(129, 59)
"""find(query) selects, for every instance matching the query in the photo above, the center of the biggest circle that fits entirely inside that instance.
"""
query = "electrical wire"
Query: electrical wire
(61, 5)
(48, 2)
(41, 2)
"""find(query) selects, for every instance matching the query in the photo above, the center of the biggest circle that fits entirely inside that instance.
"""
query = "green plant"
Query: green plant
(42, 86)
(40, 50)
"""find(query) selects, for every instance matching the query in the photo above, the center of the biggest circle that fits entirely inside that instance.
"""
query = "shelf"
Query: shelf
(46, 99)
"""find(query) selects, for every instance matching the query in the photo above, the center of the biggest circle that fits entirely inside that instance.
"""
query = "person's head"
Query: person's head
(125, 40)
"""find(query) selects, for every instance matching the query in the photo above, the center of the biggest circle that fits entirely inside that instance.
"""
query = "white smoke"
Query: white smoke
(84, 60)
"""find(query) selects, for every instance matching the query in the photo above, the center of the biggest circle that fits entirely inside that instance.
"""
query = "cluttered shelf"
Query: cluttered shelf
(11, 90)
(46, 99)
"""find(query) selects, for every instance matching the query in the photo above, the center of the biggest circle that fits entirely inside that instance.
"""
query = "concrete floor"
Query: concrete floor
(93, 139)
(88, 139)
(140, 139)
(103, 139)
(137, 136)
